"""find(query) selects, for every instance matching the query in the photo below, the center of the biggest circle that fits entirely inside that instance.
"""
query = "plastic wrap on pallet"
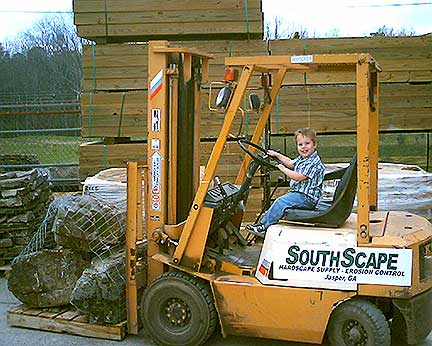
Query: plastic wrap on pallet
(400, 187)
(110, 186)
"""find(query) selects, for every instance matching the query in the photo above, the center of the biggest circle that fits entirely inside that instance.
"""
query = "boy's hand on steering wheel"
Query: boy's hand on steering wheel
(271, 152)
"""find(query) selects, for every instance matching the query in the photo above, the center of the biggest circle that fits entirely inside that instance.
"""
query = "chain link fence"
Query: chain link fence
(42, 132)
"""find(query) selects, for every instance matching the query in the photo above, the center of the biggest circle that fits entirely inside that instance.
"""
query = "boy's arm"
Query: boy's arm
(291, 174)
(282, 158)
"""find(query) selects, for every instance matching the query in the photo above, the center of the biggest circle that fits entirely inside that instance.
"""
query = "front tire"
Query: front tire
(178, 309)
(358, 323)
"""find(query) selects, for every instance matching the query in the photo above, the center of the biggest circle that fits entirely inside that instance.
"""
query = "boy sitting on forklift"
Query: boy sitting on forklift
(306, 174)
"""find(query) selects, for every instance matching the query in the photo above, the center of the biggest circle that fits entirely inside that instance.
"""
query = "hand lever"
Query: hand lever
(222, 190)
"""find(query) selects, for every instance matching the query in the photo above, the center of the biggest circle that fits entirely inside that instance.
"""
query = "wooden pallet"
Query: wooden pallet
(64, 320)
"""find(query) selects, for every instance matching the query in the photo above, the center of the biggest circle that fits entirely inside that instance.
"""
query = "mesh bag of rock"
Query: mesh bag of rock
(83, 223)
(46, 278)
(100, 292)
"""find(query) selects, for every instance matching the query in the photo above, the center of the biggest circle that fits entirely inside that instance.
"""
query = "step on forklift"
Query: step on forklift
(359, 278)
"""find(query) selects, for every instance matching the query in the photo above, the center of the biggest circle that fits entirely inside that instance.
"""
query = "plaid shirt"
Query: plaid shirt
(314, 170)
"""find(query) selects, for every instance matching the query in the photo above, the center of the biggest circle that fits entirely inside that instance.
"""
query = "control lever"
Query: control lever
(222, 190)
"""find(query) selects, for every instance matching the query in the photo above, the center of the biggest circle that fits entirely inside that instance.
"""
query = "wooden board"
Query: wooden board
(96, 156)
(124, 66)
(64, 320)
(327, 108)
(116, 67)
(403, 59)
(332, 108)
(108, 21)
(117, 114)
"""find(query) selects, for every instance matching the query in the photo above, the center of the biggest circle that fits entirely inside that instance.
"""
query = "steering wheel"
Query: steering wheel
(263, 159)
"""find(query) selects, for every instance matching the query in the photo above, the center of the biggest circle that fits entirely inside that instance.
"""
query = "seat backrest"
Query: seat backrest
(348, 177)
(340, 209)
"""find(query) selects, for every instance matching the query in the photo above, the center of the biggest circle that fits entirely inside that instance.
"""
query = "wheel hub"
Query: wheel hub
(177, 312)
(354, 334)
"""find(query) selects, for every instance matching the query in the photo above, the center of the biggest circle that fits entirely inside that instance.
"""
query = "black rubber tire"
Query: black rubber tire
(359, 323)
(178, 309)
(398, 329)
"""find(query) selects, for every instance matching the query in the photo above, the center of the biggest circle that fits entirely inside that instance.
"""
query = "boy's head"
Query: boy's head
(306, 141)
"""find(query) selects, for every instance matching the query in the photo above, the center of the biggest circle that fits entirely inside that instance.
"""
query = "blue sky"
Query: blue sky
(346, 17)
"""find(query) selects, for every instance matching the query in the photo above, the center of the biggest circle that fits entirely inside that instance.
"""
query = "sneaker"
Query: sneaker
(257, 229)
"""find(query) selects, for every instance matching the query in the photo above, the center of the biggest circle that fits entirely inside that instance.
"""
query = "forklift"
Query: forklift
(331, 274)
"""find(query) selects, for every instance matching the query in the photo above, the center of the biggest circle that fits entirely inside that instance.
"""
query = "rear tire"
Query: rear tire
(178, 309)
(358, 323)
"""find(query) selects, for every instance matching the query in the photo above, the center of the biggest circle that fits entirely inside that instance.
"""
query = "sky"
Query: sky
(347, 18)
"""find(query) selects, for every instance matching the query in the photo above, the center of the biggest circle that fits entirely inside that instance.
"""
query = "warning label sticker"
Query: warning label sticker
(156, 169)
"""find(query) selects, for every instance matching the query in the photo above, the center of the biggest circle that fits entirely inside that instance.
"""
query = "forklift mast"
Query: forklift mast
(175, 76)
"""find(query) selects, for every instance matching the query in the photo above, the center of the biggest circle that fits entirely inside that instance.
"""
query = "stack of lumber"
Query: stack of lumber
(403, 59)
(115, 67)
(107, 21)
(123, 67)
(95, 155)
(332, 108)
(327, 101)
(114, 114)
(114, 102)
(322, 101)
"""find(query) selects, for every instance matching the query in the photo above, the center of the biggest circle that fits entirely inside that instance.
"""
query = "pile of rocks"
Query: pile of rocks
(77, 257)
(17, 162)
(24, 199)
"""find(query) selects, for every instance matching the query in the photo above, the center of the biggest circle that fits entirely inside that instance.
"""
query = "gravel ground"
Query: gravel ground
(12, 336)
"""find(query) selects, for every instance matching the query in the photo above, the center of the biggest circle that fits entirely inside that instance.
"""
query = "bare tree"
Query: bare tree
(392, 32)
(277, 28)
(46, 59)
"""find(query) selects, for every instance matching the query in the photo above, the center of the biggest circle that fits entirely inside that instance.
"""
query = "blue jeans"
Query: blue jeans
(293, 200)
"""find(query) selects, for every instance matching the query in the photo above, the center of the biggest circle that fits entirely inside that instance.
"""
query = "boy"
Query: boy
(306, 173)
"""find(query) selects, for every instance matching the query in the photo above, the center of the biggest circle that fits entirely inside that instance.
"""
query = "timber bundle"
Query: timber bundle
(141, 20)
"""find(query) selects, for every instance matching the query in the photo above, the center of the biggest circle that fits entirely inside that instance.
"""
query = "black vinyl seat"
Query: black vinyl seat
(333, 214)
